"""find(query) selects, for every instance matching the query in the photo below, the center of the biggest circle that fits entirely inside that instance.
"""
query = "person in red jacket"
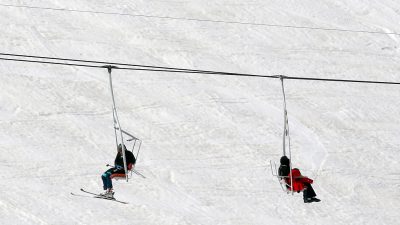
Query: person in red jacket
(300, 182)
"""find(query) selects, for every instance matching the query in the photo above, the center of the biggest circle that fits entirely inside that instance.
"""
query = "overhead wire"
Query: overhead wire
(54, 63)
(138, 67)
(102, 62)
(171, 69)
(116, 65)
(200, 20)
(339, 80)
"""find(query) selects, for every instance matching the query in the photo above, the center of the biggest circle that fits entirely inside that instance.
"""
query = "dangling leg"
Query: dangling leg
(309, 194)
(107, 183)
(310, 191)
(110, 192)
(305, 195)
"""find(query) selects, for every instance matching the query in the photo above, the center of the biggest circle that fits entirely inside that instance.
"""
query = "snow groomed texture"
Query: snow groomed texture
(207, 140)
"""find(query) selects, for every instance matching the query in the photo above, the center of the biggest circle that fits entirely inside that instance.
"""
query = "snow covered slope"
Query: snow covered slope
(207, 140)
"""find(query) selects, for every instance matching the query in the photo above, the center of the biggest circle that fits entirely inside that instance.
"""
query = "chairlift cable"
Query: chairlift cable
(286, 26)
(99, 64)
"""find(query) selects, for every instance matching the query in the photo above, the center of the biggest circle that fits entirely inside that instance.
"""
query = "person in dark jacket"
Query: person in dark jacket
(117, 170)
(300, 183)
(284, 169)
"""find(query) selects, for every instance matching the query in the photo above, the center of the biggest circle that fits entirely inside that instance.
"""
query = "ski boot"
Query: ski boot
(313, 199)
(108, 194)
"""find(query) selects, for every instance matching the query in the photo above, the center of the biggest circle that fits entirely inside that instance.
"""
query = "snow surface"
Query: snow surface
(207, 140)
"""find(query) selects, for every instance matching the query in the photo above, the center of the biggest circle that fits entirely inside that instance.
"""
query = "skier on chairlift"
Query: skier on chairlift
(117, 170)
(300, 183)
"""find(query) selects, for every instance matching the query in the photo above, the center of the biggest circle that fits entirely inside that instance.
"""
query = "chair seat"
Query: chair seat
(117, 175)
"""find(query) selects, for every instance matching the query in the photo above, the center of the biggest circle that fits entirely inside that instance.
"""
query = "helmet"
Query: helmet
(285, 160)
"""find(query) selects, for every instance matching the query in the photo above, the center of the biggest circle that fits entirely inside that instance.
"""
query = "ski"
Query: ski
(111, 199)
(85, 196)
(139, 174)
(94, 195)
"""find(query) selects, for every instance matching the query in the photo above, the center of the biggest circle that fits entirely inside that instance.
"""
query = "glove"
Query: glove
(118, 167)
(308, 180)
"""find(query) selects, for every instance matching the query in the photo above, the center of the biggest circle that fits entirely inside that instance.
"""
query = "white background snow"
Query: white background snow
(207, 140)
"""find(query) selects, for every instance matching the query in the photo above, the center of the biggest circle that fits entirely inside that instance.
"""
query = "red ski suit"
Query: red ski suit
(298, 180)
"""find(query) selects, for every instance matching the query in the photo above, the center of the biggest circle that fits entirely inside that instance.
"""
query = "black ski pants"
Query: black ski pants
(308, 191)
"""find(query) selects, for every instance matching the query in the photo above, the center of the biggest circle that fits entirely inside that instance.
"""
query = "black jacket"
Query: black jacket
(284, 168)
(119, 160)
(284, 171)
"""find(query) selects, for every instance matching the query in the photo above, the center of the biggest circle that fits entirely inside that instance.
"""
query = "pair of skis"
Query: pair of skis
(94, 195)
